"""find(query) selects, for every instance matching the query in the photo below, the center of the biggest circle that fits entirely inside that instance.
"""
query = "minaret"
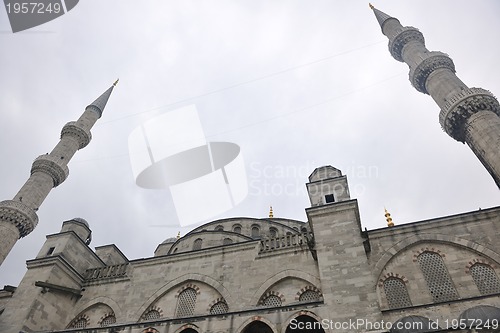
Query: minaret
(18, 216)
(468, 115)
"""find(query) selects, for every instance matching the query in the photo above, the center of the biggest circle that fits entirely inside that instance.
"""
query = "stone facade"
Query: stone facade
(267, 275)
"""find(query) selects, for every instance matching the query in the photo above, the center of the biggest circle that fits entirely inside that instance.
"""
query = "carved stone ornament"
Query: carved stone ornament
(404, 36)
(461, 106)
(73, 130)
(17, 213)
(48, 164)
(435, 60)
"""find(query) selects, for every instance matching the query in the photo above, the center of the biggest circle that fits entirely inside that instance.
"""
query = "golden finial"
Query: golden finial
(178, 235)
(116, 82)
(388, 218)
(371, 6)
(271, 212)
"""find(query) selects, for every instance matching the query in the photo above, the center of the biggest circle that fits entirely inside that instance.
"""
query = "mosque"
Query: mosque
(274, 275)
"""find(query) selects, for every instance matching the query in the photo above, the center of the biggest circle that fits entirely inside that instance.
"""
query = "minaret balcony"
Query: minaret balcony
(431, 62)
(462, 106)
(403, 37)
(76, 132)
(19, 214)
(49, 165)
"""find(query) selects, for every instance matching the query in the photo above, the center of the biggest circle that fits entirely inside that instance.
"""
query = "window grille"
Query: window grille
(111, 319)
(273, 232)
(80, 323)
(396, 293)
(436, 276)
(237, 229)
(219, 308)
(272, 301)
(485, 278)
(152, 315)
(186, 303)
(309, 296)
(227, 241)
(197, 244)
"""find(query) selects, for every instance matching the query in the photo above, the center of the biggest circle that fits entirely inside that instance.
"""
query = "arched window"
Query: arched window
(271, 301)
(273, 232)
(303, 229)
(227, 241)
(219, 228)
(80, 323)
(436, 276)
(108, 320)
(255, 232)
(485, 278)
(186, 303)
(151, 315)
(219, 308)
(197, 244)
(309, 296)
(237, 229)
(396, 293)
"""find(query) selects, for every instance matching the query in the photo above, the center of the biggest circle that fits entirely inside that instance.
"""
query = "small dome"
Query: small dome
(170, 240)
(82, 221)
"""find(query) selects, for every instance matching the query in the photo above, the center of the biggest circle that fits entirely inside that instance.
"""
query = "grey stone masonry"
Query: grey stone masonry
(468, 115)
(18, 216)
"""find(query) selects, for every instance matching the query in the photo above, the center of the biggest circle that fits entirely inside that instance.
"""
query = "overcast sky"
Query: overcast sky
(296, 84)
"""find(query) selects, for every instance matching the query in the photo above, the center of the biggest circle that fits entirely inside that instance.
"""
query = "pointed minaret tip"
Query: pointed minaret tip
(371, 6)
(116, 82)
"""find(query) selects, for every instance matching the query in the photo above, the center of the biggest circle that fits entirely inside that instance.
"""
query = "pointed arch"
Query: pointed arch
(256, 320)
(193, 277)
(288, 273)
(117, 310)
(188, 328)
(95, 314)
(300, 314)
(432, 238)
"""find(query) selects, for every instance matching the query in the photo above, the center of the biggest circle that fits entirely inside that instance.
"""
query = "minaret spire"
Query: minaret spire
(18, 216)
(381, 16)
(468, 115)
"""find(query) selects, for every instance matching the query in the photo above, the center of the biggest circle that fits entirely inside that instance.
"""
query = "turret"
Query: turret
(327, 185)
(468, 115)
(18, 216)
